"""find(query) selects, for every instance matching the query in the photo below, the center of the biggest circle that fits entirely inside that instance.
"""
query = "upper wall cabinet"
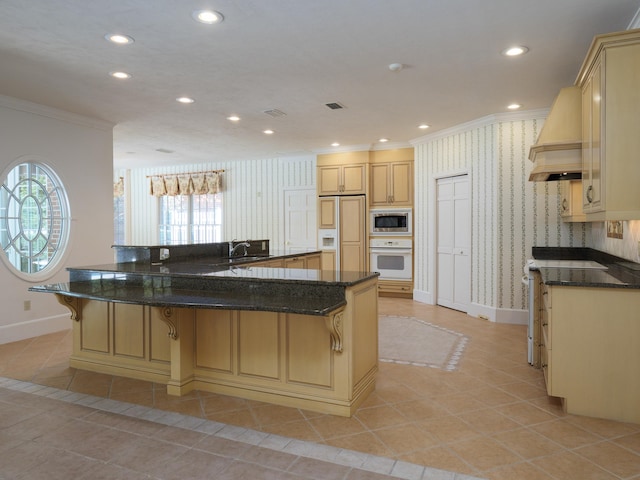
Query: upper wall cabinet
(571, 201)
(391, 178)
(342, 173)
(391, 183)
(342, 180)
(610, 83)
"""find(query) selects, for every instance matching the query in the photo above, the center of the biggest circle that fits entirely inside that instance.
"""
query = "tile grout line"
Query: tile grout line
(348, 458)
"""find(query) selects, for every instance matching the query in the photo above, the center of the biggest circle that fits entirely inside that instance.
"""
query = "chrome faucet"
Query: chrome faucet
(232, 248)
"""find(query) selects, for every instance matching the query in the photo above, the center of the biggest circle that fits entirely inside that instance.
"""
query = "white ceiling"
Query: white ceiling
(295, 56)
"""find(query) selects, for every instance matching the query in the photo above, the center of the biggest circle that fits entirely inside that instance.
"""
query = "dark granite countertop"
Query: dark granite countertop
(619, 273)
(169, 296)
(212, 283)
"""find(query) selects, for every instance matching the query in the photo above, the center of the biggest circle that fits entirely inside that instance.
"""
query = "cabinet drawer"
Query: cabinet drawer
(395, 287)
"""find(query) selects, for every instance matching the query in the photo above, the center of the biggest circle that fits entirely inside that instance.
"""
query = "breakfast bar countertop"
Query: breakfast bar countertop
(212, 284)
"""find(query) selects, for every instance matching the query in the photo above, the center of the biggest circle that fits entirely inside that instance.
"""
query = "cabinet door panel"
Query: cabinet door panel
(259, 344)
(354, 178)
(128, 330)
(379, 184)
(402, 183)
(327, 213)
(328, 180)
(214, 339)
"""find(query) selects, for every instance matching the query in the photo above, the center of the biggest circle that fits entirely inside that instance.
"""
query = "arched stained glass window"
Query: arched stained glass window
(34, 219)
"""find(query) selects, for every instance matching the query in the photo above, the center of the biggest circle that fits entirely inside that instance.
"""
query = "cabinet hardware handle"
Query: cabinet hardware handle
(590, 194)
(545, 324)
(544, 365)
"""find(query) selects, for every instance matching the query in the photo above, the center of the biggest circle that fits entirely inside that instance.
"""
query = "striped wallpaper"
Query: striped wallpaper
(509, 213)
(253, 197)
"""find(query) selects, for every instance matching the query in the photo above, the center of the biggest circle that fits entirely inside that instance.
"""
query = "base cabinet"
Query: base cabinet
(320, 363)
(395, 288)
(590, 350)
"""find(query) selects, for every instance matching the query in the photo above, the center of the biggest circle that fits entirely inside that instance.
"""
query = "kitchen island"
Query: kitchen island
(300, 338)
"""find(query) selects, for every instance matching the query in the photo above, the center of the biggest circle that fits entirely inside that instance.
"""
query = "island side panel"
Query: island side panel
(121, 339)
(362, 310)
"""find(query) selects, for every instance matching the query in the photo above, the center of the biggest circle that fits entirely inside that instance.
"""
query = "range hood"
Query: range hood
(557, 155)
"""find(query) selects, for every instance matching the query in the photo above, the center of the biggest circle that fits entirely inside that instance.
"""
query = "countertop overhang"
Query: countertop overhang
(211, 283)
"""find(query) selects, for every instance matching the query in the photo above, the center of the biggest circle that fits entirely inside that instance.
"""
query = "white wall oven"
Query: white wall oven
(392, 258)
(395, 221)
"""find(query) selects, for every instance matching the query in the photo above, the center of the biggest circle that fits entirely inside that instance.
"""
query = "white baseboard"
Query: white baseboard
(423, 297)
(34, 328)
(497, 315)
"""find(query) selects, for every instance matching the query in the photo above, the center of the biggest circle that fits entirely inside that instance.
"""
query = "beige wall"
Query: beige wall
(79, 150)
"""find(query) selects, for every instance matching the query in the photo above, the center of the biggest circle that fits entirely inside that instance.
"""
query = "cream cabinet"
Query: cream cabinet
(571, 201)
(327, 213)
(342, 179)
(610, 143)
(305, 261)
(589, 350)
(395, 288)
(391, 184)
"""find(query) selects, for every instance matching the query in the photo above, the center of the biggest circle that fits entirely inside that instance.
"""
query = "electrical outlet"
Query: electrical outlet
(27, 305)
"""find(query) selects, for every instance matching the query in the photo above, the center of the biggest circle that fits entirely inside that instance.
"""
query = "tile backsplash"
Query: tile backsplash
(625, 247)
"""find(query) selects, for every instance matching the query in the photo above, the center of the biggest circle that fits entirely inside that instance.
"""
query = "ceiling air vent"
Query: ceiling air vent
(275, 113)
(334, 106)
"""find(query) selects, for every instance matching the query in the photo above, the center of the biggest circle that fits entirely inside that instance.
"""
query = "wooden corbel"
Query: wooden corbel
(334, 324)
(166, 315)
(74, 304)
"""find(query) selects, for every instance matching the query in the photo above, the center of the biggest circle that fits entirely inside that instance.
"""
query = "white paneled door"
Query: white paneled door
(300, 229)
(454, 243)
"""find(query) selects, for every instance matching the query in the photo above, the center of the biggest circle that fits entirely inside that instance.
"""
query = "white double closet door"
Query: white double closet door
(454, 242)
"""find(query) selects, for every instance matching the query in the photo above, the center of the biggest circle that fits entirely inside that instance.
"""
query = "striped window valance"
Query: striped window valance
(190, 183)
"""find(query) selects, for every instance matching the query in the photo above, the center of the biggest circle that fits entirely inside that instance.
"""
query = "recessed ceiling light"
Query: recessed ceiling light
(335, 144)
(268, 132)
(120, 75)
(424, 126)
(515, 51)
(383, 140)
(207, 16)
(514, 106)
(233, 118)
(119, 39)
(185, 100)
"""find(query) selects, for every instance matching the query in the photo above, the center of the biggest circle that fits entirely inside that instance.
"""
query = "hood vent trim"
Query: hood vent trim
(557, 155)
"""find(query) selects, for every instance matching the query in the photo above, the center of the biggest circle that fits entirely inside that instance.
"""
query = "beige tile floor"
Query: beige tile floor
(489, 418)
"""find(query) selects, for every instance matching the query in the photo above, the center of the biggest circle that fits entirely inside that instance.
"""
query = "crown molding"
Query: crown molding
(50, 112)
(482, 122)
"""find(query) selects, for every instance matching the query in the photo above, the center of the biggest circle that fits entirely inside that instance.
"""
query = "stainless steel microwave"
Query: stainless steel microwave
(396, 221)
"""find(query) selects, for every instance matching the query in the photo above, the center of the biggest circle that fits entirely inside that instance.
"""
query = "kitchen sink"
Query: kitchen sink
(234, 260)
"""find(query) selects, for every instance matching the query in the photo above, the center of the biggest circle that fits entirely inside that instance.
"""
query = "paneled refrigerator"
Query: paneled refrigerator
(342, 232)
